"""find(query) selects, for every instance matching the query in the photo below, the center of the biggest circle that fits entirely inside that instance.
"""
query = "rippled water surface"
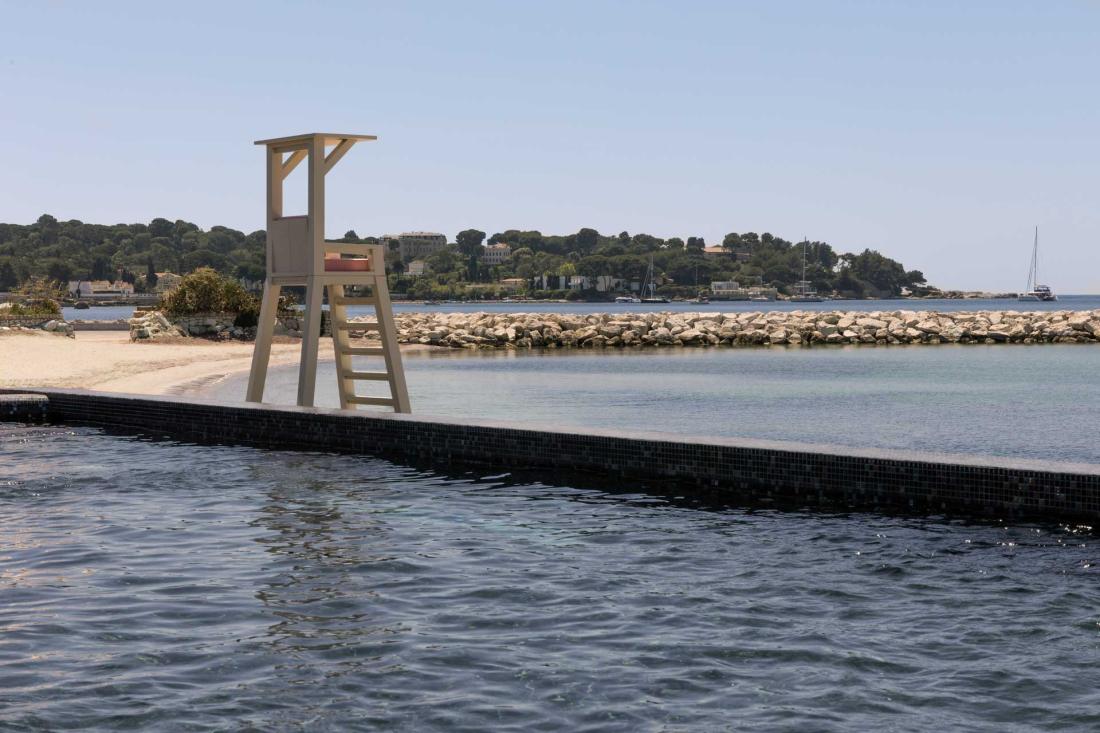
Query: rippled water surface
(156, 585)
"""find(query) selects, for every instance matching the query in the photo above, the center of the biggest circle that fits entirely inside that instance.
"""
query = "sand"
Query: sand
(108, 361)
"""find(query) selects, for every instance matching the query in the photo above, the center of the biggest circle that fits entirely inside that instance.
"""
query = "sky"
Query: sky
(939, 133)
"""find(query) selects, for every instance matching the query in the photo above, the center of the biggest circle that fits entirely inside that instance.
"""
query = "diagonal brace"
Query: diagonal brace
(338, 152)
(292, 162)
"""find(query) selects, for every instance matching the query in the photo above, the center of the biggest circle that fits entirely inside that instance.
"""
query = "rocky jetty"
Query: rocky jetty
(216, 326)
(635, 330)
(774, 328)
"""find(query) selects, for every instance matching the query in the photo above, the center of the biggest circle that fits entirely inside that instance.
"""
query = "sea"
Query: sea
(1038, 401)
(1066, 302)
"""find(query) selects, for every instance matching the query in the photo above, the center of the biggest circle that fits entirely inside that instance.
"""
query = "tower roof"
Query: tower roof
(330, 138)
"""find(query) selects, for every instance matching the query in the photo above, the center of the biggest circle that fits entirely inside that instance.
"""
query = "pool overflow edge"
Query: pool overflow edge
(737, 469)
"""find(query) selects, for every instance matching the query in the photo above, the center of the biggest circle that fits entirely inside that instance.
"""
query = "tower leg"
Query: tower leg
(391, 350)
(340, 344)
(261, 352)
(311, 336)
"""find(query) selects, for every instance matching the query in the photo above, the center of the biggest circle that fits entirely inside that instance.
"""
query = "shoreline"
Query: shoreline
(108, 361)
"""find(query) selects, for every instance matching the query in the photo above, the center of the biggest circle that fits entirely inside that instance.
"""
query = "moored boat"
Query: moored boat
(1036, 292)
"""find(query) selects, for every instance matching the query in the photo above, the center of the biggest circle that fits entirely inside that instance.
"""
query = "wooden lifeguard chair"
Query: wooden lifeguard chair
(298, 254)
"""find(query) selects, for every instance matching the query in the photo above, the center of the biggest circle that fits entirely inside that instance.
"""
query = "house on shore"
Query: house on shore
(100, 288)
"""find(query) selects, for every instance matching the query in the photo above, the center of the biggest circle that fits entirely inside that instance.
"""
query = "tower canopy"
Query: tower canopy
(329, 138)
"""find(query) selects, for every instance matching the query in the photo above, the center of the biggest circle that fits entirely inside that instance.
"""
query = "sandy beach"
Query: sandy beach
(110, 362)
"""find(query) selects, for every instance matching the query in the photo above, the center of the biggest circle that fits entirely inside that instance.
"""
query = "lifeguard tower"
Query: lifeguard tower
(298, 254)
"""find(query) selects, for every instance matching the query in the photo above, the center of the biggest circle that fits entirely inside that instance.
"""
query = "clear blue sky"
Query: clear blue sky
(937, 132)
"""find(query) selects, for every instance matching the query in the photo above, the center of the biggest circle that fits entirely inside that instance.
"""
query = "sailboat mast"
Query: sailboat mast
(804, 243)
(1035, 259)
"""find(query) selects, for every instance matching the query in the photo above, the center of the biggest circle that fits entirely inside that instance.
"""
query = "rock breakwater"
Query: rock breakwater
(760, 328)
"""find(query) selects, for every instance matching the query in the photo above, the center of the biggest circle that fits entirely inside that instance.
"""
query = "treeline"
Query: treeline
(750, 259)
(73, 250)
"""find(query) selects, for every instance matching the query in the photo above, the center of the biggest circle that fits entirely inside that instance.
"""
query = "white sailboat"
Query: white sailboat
(649, 287)
(1035, 291)
(804, 292)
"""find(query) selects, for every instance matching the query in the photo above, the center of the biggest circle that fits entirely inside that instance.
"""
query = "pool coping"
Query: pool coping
(736, 468)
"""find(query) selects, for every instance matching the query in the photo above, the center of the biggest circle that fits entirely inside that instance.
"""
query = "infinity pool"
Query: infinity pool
(159, 585)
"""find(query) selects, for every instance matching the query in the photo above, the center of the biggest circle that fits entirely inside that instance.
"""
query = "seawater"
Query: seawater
(164, 586)
(1021, 401)
(1067, 302)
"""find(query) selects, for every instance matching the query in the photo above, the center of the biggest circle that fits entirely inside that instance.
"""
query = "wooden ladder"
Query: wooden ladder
(346, 373)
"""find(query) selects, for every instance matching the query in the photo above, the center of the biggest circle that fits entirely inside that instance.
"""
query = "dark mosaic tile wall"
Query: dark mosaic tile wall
(736, 470)
(24, 407)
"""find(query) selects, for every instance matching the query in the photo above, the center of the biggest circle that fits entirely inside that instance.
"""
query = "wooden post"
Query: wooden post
(265, 331)
(311, 336)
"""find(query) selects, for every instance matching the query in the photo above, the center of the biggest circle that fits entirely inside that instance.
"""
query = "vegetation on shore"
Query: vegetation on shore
(36, 297)
(71, 250)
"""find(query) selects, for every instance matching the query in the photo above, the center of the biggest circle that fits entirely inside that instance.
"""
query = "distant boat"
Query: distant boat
(701, 300)
(649, 287)
(81, 305)
(803, 292)
(1035, 291)
(627, 299)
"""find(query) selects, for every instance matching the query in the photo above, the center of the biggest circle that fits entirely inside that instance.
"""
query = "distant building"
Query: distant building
(513, 284)
(417, 268)
(166, 282)
(495, 254)
(416, 245)
(716, 252)
(725, 288)
(100, 288)
(731, 290)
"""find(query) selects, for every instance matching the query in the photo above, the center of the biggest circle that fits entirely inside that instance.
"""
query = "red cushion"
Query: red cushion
(333, 263)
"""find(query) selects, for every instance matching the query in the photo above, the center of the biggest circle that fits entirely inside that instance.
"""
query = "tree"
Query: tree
(150, 275)
(7, 276)
(587, 240)
(161, 228)
(695, 244)
(101, 268)
(59, 272)
(205, 291)
(469, 242)
(351, 236)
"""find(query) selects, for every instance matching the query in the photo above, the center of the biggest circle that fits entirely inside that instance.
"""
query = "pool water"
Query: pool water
(159, 585)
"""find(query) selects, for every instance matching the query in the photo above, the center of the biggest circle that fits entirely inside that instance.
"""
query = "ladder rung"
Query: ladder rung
(359, 326)
(349, 300)
(357, 400)
(363, 351)
(370, 376)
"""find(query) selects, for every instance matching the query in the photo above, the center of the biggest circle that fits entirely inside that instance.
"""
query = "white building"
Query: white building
(100, 288)
(496, 254)
(417, 268)
(725, 288)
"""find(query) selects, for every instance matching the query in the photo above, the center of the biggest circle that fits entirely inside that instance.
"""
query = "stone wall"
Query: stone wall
(733, 470)
(54, 324)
